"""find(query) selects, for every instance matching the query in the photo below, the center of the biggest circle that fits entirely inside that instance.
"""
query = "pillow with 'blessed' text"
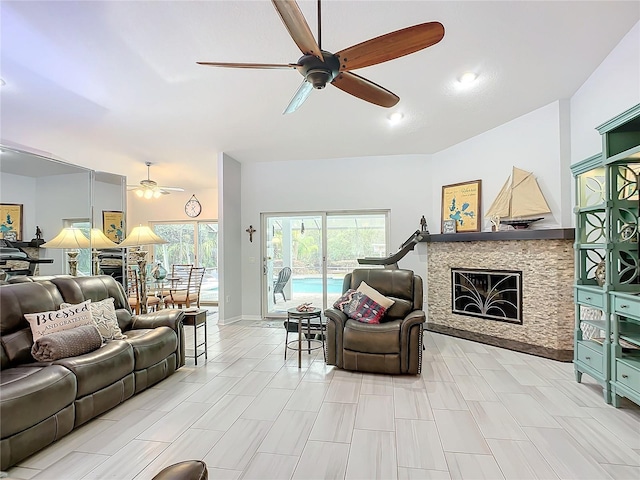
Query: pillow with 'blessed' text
(43, 323)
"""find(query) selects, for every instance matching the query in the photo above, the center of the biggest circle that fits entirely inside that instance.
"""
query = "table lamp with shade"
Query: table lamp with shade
(72, 239)
(138, 237)
(99, 240)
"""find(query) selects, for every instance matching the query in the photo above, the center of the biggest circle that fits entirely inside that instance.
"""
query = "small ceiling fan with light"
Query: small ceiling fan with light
(319, 67)
(150, 189)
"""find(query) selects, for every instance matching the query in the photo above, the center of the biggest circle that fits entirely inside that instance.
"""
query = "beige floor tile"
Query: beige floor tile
(419, 445)
(445, 395)
(485, 361)
(289, 433)
(473, 466)
(520, 460)
(319, 371)
(459, 432)
(343, 390)
(622, 472)
(119, 435)
(436, 371)
(223, 473)
(287, 377)
(372, 456)
(238, 445)
(267, 405)
(307, 397)
(240, 367)
(412, 404)
(602, 445)
(322, 461)
(127, 462)
(623, 425)
(405, 473)
(525, 375)
(266, 466)
(73, 466)
(501, 381)
(334, 423)
(564, 454)
(460, 366)
(222, 415)
(375, 412)
(271, 363)
(214, 390)
(206, 372)
(373, 384)
(192, 444)
(174, 423)
(408, 381)
(495, 421)
(475, 388)
(527, 411)
(252, 384)
(556, 403)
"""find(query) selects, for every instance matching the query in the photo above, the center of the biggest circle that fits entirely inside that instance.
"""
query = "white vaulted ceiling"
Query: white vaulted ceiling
(113, 84)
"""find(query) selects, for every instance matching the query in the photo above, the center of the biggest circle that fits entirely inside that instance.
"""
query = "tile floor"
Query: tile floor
(476, 412)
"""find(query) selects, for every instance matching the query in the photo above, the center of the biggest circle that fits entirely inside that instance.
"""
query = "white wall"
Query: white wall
(612, 88)
(170, 207)
(397, 183)
(230, 238)
(530, 142)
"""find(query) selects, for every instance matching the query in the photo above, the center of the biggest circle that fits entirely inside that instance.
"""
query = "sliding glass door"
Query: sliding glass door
(319, 248)
(191, 243)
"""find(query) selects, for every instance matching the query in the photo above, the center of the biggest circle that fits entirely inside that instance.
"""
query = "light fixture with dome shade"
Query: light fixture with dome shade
(150, 189)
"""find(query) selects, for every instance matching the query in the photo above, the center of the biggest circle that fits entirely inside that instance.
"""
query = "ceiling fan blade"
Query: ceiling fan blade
(365, 89)
(299, 97)
(298, 27)
(172, 189)
(250, 65)
(392, 45)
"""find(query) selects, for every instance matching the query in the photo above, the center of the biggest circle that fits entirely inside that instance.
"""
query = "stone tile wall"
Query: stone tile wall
(547, 282)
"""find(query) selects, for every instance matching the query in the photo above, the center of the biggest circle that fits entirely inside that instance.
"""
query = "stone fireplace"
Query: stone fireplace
(545, 262)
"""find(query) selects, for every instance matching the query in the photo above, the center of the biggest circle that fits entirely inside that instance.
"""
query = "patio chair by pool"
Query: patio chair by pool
(279, 284)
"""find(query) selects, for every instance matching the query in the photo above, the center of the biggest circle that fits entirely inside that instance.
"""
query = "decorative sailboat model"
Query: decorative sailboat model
(519, 200)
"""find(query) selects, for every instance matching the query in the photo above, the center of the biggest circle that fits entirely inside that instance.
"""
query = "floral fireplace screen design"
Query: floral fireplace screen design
(490, 294)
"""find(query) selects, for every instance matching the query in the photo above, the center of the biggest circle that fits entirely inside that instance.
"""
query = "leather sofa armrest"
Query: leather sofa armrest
(336, 321)
(411, 342)
(414, 318)
(171, 318)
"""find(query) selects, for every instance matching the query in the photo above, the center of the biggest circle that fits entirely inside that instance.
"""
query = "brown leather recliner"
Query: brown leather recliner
(393, 346)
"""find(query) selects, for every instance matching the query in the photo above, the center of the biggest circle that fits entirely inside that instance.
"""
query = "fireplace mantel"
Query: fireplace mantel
(526, 234)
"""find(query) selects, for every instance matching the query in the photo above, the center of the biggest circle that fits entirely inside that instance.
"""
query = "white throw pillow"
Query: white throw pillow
(43, 323)
(105, 318)
(375, 295)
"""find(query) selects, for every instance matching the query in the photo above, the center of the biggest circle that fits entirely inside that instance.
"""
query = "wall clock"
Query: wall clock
(193, 207)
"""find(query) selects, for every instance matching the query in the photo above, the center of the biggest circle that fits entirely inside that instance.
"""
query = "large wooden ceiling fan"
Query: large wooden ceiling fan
(319, 67)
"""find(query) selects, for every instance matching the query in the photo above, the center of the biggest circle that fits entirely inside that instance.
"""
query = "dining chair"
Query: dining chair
(133, 293)
(185, 288)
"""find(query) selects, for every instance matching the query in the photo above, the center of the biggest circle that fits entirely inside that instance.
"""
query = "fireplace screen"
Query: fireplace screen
(490, 294)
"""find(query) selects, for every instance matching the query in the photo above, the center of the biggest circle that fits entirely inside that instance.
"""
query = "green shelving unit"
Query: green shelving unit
(607, 252)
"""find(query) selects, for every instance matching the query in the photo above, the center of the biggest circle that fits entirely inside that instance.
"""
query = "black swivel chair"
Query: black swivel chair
(278, 285)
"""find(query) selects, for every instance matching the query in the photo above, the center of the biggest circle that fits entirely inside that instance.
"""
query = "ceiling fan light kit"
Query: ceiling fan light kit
(149, 189)
(319, 67)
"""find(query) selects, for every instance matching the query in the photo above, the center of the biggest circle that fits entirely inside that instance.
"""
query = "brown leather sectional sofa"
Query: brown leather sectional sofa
(42, 402)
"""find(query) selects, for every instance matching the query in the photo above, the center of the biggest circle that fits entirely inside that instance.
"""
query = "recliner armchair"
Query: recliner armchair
(393, 346)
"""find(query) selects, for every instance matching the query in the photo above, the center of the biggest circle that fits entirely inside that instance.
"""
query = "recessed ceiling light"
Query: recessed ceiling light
(395, 118)
(467, 78)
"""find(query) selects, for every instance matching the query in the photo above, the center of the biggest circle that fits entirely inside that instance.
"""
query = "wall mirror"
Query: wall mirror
(51, 195)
